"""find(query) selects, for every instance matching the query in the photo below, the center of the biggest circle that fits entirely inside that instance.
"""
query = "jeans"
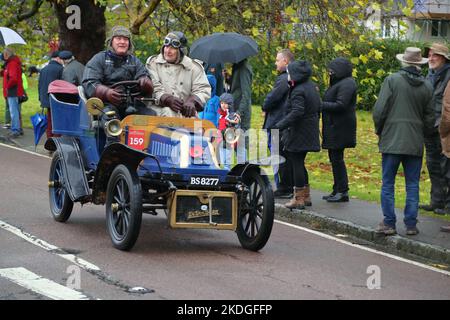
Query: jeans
(13, 103)
(7, 114)
(411, 167)
(225, 157)
(340, 177)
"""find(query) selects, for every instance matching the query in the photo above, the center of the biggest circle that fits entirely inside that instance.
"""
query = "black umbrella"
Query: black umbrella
(223, 47)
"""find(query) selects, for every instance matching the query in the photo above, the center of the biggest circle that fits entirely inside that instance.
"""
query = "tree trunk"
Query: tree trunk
(83, 34)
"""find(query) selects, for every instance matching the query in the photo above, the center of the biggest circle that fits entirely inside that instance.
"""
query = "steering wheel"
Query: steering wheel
(130, 88)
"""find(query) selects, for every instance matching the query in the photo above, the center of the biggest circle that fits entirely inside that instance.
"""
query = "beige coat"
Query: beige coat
(181, 80)
(444, 127)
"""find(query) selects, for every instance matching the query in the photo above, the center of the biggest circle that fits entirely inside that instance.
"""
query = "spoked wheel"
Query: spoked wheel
(123, 207)
(256, 212)
(60, 203)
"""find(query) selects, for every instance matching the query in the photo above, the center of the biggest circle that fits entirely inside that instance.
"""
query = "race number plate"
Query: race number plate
(136, 139)
(204, 181)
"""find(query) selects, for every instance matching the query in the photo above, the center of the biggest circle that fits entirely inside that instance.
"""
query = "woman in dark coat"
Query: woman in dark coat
(339, 124)
(302, 127)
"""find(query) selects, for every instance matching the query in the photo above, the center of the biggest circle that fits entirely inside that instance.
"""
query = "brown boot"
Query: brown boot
(307, 199)
(297, 201)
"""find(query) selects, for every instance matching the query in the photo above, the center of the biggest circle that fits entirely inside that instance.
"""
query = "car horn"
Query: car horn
(95, 107)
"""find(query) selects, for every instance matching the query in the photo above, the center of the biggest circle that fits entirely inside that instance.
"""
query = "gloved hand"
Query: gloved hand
(167, 100)
(191, 105)
(146, 85)
(110, 95)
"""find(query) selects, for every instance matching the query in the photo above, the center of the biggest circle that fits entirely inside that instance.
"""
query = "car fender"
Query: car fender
(112, 156)
(73, 167)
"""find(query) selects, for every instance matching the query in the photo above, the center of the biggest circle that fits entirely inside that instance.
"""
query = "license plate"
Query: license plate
(204, 181)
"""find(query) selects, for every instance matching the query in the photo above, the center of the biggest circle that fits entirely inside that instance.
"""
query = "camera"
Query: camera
(232, 116)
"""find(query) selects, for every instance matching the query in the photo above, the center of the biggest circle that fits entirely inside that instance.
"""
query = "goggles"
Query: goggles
(172, 42)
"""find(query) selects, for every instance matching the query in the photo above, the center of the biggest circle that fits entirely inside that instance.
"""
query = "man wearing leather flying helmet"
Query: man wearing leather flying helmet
(180, 84)
(115, 64)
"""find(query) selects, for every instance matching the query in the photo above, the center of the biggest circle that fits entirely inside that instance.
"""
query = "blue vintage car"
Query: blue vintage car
(160, 163)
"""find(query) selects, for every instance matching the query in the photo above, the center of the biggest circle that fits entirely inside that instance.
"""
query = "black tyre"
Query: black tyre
(123, 207)
(60, 203)
(256, 214)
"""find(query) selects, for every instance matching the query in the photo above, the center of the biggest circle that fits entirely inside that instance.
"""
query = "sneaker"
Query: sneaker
(412, 231)
(332, 194)
(14, 135)
(385, 229)
(6, 126)
(339, 197)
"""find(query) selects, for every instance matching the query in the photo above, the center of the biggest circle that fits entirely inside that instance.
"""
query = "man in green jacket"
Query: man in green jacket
(403, 115)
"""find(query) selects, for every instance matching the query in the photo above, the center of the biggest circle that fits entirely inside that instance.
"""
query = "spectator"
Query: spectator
(274, 108)
(444, 132)
(73, 70)
(339, 124)
(51, 72)
(211, 110)
(402, 115)
(116, 64)
(227, 120)
(181, 86)
(439, 75)
(13, 89)
(302, 124)
(7, 123)
(216, 69)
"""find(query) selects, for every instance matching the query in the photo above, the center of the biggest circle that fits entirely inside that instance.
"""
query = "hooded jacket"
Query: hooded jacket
(403, 113)
(338, 107)
(301, 120)
(12, 78)
(210, 112)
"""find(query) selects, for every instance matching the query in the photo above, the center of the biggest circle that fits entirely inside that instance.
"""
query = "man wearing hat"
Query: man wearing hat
(52, 71)
(181, 86)
(73, 70)
(439, 76)
(116, 64)
(402, 115)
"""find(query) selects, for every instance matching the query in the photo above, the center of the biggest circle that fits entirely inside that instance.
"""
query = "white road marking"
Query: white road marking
(49, 247)
(38, 284)
(327, 236)
(24, 150)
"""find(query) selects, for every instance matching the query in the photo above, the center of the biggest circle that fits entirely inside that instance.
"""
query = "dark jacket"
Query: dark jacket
(403, 113)
(107, 68)
(51, 72)
(241, 89)
(275, 103)
(338, 107)
(73, 72)
(12, 78)
(302, 118)
(439, 80)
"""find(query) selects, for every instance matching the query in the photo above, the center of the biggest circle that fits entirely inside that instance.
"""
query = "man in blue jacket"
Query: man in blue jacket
(51, 72)
(274, 108)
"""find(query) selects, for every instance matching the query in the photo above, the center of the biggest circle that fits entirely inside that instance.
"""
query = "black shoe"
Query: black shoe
(430, 207)
(284, 194)
(442, 211)
(339, 197)
(332, 194)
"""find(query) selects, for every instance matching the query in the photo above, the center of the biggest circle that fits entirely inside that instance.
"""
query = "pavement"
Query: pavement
(354, 221)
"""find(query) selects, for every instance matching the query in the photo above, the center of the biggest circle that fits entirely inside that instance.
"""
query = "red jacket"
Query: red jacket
(12, 78)
(223, 123)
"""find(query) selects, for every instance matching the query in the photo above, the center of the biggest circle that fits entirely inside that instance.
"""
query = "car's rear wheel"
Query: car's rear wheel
(256, 212)
(60, 203)
(124, 207)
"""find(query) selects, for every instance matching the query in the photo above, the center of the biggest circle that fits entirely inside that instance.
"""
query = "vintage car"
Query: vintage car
(158, 164)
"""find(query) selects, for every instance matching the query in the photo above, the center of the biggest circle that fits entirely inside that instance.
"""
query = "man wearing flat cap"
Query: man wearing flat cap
(116, 64)
(73, 69)
(51, 72)
(439, 76)
(181, 85)
(403, 115)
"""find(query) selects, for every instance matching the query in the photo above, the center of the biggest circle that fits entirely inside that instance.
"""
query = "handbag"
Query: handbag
(23, 98)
